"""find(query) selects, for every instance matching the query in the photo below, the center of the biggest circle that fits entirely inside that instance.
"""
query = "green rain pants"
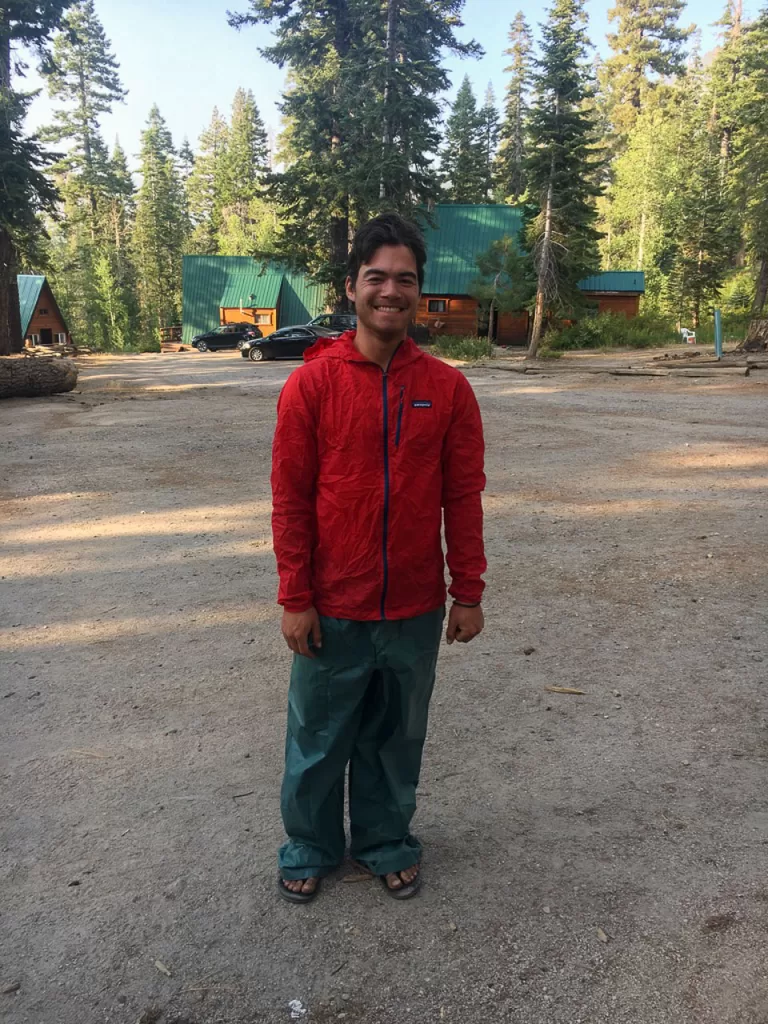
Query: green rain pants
(363, 701)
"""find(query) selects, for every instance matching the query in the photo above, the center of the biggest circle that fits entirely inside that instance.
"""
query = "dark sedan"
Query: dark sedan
(228, 336)
(335, 321)
(287, 343)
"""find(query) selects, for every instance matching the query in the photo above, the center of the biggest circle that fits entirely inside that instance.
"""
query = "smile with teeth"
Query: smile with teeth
(389, 309)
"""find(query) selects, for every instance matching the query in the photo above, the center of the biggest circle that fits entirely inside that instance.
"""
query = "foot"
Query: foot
(300, 885)
(399, 879)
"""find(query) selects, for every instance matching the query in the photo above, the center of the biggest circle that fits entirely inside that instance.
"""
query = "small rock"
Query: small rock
(547, 910)
(75, 881)
(528, 650)
(616, 693)
(13, 987)
(601, 935)
(170, 732)
(453, 926)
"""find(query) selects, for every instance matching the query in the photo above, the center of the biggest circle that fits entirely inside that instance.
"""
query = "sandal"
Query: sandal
(405, 892)
(296, 897)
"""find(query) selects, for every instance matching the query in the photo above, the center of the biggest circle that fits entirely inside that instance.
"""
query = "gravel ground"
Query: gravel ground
(593, 859)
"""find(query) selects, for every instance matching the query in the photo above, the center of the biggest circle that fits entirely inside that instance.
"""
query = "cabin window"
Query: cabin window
(42, 312)
(61, 339)
(263, 318)
(436, 305)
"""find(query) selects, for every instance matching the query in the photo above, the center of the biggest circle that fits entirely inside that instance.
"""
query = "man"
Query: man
(375, 442)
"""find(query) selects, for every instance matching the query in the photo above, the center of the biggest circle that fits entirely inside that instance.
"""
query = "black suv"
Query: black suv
(228, 336)
(335, 321)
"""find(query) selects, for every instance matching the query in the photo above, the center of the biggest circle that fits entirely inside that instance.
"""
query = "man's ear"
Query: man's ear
(350, 288)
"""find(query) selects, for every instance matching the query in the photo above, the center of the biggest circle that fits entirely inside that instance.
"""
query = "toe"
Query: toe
(394, 881)
(309, 885)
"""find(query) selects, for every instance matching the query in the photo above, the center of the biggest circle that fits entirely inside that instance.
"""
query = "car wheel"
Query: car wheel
(257, 355)
(202, 346)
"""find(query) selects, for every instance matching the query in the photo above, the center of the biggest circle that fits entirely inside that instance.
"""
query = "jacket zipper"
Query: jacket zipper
(385, 398)
(399, 417)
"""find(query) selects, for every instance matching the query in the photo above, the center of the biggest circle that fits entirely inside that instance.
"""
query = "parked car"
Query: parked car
(228, 336)
(335, 321)
(287, 343)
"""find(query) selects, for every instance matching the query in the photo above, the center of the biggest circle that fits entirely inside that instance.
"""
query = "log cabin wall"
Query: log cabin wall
(265, 319)
(624, 305)
(47, 321)
(450, 314)
(512, 329)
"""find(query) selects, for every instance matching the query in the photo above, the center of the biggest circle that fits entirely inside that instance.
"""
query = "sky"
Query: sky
(184, 57)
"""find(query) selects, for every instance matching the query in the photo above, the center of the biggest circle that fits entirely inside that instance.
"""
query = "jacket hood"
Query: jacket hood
(343, 347)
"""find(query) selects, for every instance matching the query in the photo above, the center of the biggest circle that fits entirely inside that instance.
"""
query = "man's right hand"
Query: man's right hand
(298, 627)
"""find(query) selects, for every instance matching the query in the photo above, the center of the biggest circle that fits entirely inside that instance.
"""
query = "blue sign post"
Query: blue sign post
(718, 335)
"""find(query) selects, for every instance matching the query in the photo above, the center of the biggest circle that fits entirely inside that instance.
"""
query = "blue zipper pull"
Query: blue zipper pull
(399, 417)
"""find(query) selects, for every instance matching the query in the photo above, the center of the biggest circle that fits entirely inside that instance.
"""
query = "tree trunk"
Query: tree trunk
(761, 288)
(10, 316)
(28, 377)
(757, 336)
(392, 12)
(538, 316)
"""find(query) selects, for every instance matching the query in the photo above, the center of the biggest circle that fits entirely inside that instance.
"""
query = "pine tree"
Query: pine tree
(84, 78)
(648, 46)
(247, 219)
(489, 136)
(205, 187)
(360, 116)
(464, 159)
(25, 191)
(158, 239)
(510, 174)
(749, 118)
(563, 165)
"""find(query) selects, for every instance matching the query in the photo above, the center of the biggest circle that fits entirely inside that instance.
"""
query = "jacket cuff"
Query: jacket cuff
(296, 605)
(468, 592)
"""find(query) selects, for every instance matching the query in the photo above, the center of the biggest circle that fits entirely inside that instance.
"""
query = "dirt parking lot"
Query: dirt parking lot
(595, 859)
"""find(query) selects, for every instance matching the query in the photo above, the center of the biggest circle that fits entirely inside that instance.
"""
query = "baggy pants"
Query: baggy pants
(363, 701)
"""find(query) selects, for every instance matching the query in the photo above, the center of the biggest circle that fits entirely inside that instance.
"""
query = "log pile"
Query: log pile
(25, 377)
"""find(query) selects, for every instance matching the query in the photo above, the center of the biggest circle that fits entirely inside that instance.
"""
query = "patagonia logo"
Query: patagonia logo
(419, 404)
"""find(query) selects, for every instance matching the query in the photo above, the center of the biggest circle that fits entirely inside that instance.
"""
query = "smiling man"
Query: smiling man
(377, 446)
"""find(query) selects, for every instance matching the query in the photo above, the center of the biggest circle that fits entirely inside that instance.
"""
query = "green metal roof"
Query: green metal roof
(30, 286)
(461, 234)
(615, 281)
(300, 300)
(250, 287)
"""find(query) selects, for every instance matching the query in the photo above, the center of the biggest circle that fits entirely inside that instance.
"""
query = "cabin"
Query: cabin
(615, 291)
(42, 322)
(219, 290)
(462, 232)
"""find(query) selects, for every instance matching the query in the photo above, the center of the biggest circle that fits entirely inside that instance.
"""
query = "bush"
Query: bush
(734, 329)
(455, 347)
(610, 330)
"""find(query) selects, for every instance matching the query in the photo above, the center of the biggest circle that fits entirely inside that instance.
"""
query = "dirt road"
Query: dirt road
(595, 859)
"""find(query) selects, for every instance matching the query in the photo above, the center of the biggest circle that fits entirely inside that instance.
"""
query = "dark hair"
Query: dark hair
(387, 229)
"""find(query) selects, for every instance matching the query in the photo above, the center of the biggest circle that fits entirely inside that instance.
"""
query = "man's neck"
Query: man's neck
(372, 346)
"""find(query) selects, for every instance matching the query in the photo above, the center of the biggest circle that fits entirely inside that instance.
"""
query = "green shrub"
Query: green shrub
(455, 347)
(734, 329)
(610, 330)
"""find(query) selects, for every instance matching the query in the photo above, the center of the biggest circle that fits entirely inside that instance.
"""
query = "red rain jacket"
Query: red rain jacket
(365, 462)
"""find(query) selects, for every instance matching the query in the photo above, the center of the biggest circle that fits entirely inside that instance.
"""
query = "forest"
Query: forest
(651, 158)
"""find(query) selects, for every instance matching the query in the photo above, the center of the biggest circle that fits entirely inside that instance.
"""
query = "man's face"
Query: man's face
(386, 293)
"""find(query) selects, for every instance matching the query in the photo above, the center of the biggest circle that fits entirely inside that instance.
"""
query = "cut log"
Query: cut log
(28, 377)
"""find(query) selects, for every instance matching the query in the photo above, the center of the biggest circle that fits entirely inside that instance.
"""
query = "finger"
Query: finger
(303, 647)
(292, 644)
(450, 633)
(317, 634)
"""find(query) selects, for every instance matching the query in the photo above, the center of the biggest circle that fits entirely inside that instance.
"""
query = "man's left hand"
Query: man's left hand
(464, 624)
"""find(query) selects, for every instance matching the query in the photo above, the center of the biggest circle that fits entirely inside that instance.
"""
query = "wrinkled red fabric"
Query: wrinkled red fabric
(360, 487)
